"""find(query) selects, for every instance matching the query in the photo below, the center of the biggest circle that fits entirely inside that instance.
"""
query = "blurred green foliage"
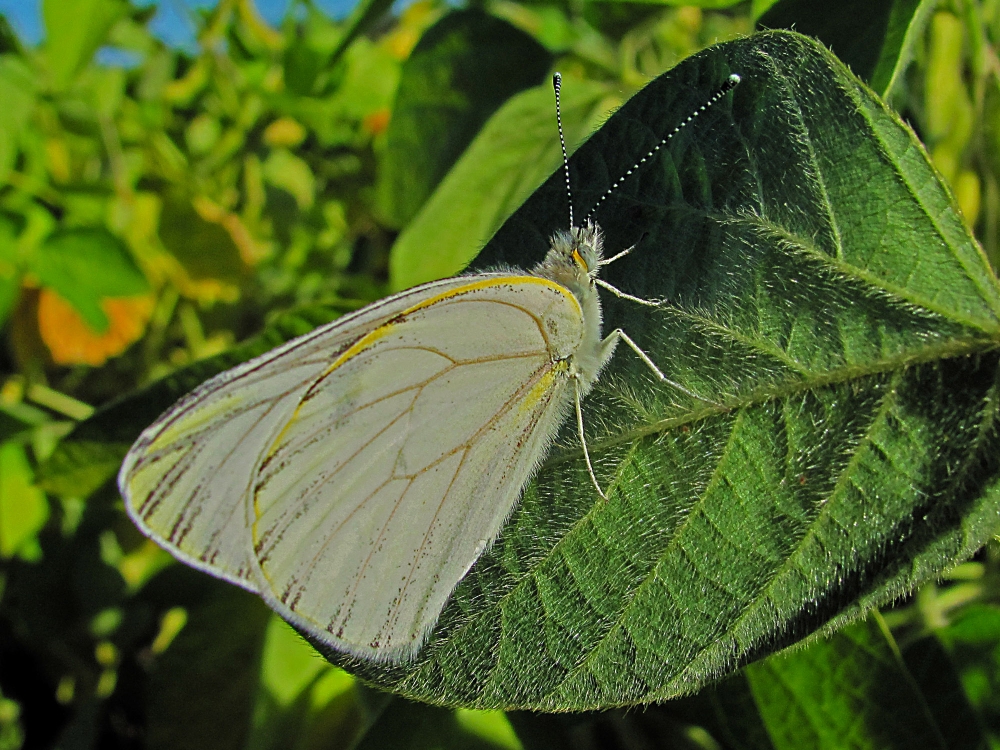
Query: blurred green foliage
(153, 216)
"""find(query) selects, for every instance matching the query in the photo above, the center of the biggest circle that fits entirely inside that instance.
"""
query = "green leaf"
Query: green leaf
(948, 112)
(727, 711)
(107, 90)
(461, 71)
(365, 15)
(412, 726)
(907, 24)
(824, 298)
(935, 675)
(201, 689)
(302, 702)
(511, 156)
(205, 249)
(850, 690)
(308, 53)
(490, 727)
(17, 91)
(759, 7)
(706, 4)
(367, 86)
(8, 38)
(854, 689)
(86, 265)
(78, 467)
(11, 730)
(290, 173)
(310, 59)
(973, 644)
(23, 508)
(74, 29)
(369, 82)
(875, 38)
(202, 134)
(289, 665)
(821, 290)
(10, 277)
(726, 718)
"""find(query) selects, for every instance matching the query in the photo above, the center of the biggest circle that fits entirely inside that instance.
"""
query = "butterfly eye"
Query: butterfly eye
(578, 259)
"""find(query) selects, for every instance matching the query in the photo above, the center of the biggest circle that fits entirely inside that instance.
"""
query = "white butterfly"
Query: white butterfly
(354, 475)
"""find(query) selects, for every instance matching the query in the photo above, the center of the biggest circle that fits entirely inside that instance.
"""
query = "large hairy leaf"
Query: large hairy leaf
(823, 294)
(840, 324)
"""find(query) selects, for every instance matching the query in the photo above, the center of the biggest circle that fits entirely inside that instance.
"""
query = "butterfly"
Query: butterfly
(352, 476)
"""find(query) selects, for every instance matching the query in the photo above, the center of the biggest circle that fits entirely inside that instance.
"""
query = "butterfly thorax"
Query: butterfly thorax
(573, 261)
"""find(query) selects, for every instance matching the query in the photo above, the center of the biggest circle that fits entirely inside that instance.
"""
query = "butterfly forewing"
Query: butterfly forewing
(403, 460)
(188, 477)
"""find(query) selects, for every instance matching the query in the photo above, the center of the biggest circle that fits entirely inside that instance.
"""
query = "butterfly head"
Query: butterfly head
(574, 258)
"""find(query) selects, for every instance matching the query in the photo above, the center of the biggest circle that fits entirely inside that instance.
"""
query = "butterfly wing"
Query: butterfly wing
(405, 457)
(186, 480)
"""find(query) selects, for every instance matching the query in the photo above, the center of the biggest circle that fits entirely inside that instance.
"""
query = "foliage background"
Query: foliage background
(155, 215)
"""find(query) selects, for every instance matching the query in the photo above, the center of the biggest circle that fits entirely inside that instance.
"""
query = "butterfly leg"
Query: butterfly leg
(607, 350)
(623, 295)
(583, 438)
(608, 347)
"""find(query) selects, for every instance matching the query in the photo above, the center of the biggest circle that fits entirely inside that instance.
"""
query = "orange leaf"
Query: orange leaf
(72, 342)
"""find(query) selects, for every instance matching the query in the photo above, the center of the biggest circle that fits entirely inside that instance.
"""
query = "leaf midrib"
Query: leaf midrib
(841, 268)
(943, 351)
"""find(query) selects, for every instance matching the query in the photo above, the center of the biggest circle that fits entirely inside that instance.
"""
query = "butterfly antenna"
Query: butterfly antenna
(557, 85)
(726, 87)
